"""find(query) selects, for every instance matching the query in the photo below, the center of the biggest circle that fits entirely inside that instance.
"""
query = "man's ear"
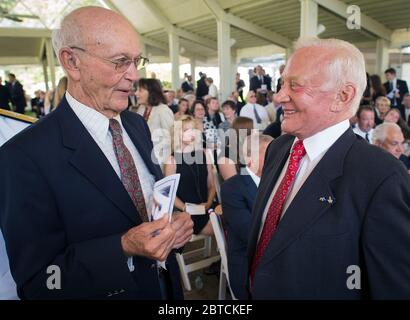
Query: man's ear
(344, 98)
(70, 63)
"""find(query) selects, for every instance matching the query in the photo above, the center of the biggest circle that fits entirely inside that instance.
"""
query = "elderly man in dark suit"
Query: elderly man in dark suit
(238, 194)
(331, 218)
(396, 89)
(18, 98)
(77, 186)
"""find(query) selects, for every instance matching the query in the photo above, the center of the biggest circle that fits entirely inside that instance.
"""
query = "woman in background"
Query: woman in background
(182, 108)
(196, 184)
(160, 119)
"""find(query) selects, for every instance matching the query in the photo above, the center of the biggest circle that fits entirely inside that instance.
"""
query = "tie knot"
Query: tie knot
(115, 127)
(298, 149)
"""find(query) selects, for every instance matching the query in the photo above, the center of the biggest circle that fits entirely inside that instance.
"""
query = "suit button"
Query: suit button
(153, 266)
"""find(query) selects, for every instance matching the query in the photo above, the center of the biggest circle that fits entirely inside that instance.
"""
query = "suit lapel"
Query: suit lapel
(91, 162)
(306, 207)
(271, 171)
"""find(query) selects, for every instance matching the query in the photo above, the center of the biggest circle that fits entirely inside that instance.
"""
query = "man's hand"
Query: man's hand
(153, 240)
(183, 227)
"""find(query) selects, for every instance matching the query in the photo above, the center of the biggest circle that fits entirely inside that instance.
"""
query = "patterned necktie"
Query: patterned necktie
(129, 174)
(257, 116)
(276, 206)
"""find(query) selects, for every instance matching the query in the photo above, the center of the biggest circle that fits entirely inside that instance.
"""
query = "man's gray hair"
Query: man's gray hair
(347, 66)
(380, 132)
(69, 34)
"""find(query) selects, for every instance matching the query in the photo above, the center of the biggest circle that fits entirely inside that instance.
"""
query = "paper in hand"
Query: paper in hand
(164, 195)
(194, 209)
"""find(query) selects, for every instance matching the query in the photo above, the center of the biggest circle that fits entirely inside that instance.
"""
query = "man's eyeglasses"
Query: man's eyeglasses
(122, 64)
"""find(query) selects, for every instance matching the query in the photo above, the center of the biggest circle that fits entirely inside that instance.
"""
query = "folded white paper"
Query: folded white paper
(194, 209)
(164, 195)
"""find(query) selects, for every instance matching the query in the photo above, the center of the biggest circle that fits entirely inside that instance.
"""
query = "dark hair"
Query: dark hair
(230, 104)
(260, 99)
(154, 88)
(12, 75)
(376, 84)
(363, 108)
(202, 104)
(208, 101)
(390, 70)
(183, 100)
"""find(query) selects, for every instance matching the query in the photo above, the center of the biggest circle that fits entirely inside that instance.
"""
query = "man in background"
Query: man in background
(18, 98)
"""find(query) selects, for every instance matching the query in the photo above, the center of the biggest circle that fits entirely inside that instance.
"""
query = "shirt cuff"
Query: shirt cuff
(130, 264)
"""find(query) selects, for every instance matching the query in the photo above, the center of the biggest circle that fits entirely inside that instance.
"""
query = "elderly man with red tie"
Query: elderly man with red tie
(332, 214)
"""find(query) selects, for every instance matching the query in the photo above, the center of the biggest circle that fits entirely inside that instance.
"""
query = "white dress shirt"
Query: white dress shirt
(361, 133)
(97, 126)
(254, 177)
(316, 147)
(247, 111)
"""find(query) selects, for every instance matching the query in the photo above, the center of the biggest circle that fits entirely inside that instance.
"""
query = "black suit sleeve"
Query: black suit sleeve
(236, 212)
(35, 239)
(253, 86)
(386, 239)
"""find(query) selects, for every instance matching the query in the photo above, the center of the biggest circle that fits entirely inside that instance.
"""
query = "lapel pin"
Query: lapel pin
(329, 200)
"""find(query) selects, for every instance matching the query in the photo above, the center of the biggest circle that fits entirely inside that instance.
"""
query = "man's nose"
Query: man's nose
(132, 73)
(281, 96)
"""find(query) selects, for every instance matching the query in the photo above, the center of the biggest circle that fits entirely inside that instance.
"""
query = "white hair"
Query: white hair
(69, 34)
(380, 132)
(347, 66)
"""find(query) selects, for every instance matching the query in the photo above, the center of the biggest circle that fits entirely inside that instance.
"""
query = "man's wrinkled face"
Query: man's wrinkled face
(104, 86)
(366, 120)
(394, 143)
(306, 102)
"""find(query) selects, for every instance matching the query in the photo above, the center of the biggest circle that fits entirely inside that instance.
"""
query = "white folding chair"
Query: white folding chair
(221, 244)
(185, 269)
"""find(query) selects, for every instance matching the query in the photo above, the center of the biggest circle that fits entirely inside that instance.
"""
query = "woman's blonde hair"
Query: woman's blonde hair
(178, 130)
(60, 91)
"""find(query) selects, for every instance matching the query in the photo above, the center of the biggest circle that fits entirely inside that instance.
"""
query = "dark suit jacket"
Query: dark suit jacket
(403, 89)
(201, 88)
(4, 97)
(187, 87)
(255, 83)
(315, 242)
(63, 204)
(238, 194)
(17, 95)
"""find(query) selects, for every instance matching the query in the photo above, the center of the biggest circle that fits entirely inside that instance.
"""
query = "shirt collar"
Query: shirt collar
(95, 122)
(323, 140)
(254, 177)
(357, 128)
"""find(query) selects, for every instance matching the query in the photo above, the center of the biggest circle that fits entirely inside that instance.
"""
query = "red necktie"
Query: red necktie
(276, 206)
(129, 173)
